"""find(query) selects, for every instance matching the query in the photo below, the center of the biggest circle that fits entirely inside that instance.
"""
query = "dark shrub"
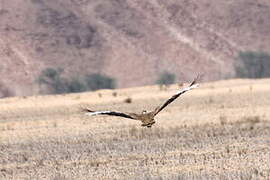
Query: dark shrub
(166, 78)
(52, 79)
(97, 81)
(76, 85)
(56, 84)
(251, 64)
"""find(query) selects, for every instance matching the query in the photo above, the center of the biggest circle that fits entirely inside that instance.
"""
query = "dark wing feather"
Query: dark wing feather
(191, 86)
(110, 113)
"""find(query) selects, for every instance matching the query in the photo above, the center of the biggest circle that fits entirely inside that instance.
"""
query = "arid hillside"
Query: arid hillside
(129, 40)
(219, 131)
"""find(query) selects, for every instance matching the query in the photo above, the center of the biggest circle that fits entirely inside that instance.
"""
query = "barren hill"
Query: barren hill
(130, 40)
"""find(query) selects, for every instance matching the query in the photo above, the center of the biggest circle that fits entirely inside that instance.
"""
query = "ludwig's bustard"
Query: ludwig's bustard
(147, 118)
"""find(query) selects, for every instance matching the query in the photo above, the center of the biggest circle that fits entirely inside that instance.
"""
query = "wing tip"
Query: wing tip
(195, 81)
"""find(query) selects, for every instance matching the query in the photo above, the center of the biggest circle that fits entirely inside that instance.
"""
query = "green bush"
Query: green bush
(57, 85)
(52, 78)
(76, 85)
(166, 78)
(97, 81)
(251, 64)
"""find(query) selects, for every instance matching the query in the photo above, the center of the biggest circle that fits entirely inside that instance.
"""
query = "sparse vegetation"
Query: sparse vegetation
(128, 100)
(57, 84)
(223, 120)
(252, 64)
(76, 85)
(52, 138)
(52, 79)
(166, 78)
(97, 81)
(5, 91)
(114, 94)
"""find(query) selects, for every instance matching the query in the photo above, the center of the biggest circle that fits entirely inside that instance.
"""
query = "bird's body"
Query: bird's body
(147, 118)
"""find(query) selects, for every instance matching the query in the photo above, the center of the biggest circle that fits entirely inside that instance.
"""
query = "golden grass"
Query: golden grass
(219, 131)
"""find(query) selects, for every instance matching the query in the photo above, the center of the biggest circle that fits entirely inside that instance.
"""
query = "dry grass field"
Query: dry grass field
(219, 131)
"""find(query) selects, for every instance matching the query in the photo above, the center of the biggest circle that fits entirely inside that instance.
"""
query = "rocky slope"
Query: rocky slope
(130, 40)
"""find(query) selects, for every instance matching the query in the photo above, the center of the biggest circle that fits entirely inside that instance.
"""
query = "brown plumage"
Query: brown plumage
(147, 118)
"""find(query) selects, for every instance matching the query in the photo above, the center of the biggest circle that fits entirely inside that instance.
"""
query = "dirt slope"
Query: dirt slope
(129, 40)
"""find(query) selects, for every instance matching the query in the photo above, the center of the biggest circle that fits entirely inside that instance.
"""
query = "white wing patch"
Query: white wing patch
(97, 113)
(187, 88)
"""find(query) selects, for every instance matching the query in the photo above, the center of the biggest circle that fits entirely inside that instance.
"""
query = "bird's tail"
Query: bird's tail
(86, 110)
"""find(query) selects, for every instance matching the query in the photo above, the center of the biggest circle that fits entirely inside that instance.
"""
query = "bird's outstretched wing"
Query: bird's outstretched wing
(182, 91)
(110, 113)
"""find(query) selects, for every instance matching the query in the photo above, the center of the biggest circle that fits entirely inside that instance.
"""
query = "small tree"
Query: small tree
(251, 64)
(52, 78)
(76, 85)
(166, 78)
(97, 81)
(57, 84)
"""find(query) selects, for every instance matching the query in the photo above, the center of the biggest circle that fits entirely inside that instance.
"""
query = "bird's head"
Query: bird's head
(144, 112)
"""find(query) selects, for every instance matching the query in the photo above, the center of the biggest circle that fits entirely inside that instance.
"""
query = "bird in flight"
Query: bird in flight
(147, 118)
